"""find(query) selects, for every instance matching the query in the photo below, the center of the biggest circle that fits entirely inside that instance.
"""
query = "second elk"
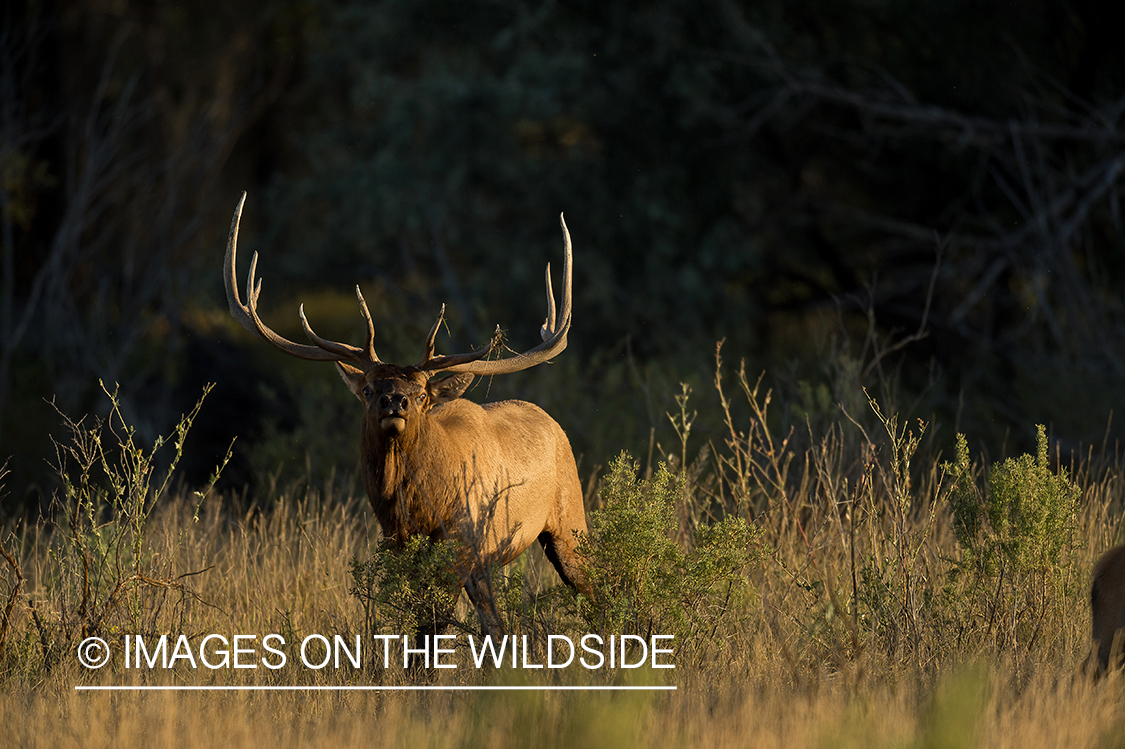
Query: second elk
(1107, 608)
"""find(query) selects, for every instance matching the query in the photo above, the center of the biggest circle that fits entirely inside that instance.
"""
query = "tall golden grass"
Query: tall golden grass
(857, 634)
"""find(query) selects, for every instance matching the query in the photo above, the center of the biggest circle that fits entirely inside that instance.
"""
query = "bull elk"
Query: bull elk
(495, 477)
(1107, 606)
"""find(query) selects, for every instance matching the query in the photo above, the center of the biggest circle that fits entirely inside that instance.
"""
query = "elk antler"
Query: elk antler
(554, 338)
(247, 314)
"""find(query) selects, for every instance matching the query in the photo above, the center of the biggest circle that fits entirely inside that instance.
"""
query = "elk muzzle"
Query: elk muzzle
(391, 413)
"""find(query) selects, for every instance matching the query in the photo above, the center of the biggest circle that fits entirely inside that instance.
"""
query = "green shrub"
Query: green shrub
(103, 576)
(1030, 511)
(1013, 583)
(645, 583)
(405, 589)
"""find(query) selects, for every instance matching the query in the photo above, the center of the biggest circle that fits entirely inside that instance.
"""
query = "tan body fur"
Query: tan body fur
(496, 477)
(524, 454)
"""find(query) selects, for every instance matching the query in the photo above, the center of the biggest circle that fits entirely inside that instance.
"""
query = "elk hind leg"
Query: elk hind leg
(563, 556)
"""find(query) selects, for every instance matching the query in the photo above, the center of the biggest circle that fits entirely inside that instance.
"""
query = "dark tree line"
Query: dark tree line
(933, 186)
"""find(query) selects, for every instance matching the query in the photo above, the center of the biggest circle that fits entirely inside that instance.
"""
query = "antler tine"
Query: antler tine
(339, 350)
(553, 332)
(431, 363)
(548, 324)
(451, 362)
(247, 314)
(369, 345)
(567, 299)
(428, 352)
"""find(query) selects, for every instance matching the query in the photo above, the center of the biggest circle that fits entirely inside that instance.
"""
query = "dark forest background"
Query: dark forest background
(921, 198)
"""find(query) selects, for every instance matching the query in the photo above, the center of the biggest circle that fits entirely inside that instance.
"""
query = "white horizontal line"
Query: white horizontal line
(372, 688)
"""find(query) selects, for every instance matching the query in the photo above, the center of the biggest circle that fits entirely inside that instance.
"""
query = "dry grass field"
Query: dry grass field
(874, 615)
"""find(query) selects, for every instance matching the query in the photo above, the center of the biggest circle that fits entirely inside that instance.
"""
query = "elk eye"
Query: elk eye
(368, 392)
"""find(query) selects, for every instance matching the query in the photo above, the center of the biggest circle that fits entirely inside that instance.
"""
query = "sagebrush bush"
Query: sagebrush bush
(1030, 511)
(406, 589)
(1016, 536)
(644, 582)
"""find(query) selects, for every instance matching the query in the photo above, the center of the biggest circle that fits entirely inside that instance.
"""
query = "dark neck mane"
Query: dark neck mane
(406, 484)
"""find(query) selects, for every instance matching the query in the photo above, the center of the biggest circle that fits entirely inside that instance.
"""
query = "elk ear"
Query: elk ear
(353, 377)
(448, 388)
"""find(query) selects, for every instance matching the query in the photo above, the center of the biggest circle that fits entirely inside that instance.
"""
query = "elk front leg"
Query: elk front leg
(478, 584)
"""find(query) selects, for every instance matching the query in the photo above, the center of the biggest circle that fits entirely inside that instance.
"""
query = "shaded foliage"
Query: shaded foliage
(813, 182)
(736, 171)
